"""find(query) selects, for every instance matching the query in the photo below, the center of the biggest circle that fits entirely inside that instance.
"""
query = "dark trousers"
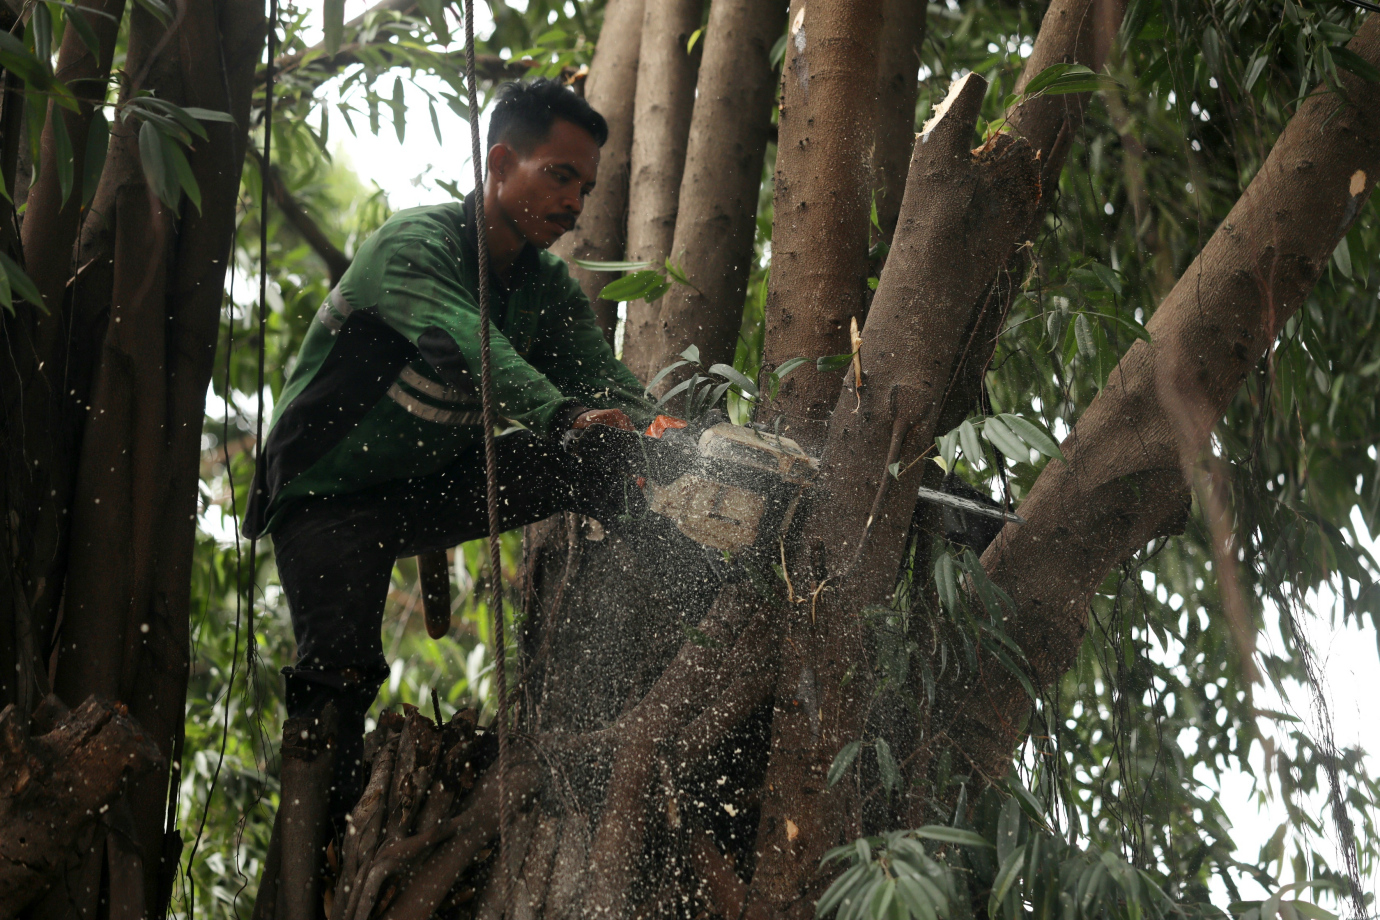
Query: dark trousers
(335, 557)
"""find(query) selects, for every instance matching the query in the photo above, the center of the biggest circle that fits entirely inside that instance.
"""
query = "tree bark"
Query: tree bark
(665, 101)
(819, 235)
(611, 87)
(1130, 455)
(716, 225)
(125, 629)
(43, 397)
(898, 85)
(960, 219)
(58, 778)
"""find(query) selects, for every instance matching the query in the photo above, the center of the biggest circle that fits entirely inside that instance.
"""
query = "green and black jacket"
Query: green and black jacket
(386, 383)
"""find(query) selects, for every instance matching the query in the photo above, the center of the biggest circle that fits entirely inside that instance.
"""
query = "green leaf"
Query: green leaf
(16, 56)
(181, 171)
(842, 761)
(1031, 435)
(968, 439)
(1006, 442)
(436, 17)
(691, 353)
(1350, 60)
(1006, 877)
(1256, 69)
(886, 765)
(1083, 334)
(631, 287)
(946, 582)
(785, 368)
(736, 378)
(948, 449)
(662, 373)
(1008, 828)
(1106, 276)
(200, 114)
(594, 266)
(77, 21)
(17, 280)
(156, 171)
(97, 145)
(399, 106)
(158, 8)
(957, 835)
(657, 290)
(333, 23)
(62, 142)
(435, 121)
(42, 20)
(694, 37)
(6, 299)
(677, 273)
(830, 363)
(1341, 257)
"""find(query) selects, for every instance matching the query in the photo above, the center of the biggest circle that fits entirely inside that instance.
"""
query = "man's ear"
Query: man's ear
(501, 160)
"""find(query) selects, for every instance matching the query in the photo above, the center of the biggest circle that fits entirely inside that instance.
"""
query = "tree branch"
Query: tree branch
(336, 261)
(1125, 479)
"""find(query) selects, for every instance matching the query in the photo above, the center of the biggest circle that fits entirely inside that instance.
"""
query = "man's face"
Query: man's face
(540, 193)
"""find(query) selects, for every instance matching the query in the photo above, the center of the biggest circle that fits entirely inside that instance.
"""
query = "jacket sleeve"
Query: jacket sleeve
(420, 292)
(576, 357)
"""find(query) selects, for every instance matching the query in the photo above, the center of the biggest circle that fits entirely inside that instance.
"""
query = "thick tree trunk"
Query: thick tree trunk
(601, 234)
(819, 236)
(961, 217)
(44, 395)
(1130, 456)
(125, 627)
(59, 777)
(665, 101)
(716, 224)
(898, 85)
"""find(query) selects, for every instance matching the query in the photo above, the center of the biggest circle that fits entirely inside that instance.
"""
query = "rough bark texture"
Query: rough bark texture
(601, 234)
(819, 236)
(125, 628)
(898, 70)
(716, 224)
(960, 220)
(1128, 458)
(44, 393)
(665, 100)
(59, 776)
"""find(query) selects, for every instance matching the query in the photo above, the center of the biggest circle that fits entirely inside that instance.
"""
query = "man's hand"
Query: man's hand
(614, 418)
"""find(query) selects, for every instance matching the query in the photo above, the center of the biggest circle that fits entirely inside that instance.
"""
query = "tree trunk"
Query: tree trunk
(959, 221)
(1131, 455)
(44, 398)
(819, 236)
(898, 85)
(716, 224)
(611, 88)
(665, 100)
(125, 623)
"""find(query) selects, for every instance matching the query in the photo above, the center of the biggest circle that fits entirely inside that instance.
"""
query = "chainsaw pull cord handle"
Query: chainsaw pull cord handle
(486, 390)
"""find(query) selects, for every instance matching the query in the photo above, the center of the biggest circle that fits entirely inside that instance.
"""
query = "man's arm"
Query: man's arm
(577, 358)
(416, 286)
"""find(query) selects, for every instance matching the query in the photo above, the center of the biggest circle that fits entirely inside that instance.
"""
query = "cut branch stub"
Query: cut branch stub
(56, 784)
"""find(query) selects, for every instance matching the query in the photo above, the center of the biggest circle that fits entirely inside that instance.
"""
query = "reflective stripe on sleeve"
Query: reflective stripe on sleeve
(432, 413)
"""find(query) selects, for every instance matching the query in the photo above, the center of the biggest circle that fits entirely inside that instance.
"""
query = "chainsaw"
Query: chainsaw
(731, 488)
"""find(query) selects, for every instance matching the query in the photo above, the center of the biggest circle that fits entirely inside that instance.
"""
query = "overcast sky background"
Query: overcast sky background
(408, 173)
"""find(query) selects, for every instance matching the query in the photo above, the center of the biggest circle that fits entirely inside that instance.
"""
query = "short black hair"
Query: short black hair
(524, 113)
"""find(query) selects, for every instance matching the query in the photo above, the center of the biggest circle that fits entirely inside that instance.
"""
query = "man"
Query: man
(376, 449)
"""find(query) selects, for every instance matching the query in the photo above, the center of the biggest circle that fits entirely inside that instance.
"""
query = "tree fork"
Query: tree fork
(1146, 430)
(960, 219)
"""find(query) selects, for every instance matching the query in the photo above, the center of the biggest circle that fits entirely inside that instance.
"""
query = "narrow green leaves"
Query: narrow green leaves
(842, 761)
(333, 16)
(14, 280)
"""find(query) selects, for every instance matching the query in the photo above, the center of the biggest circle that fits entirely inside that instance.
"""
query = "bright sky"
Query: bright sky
(408, 173)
